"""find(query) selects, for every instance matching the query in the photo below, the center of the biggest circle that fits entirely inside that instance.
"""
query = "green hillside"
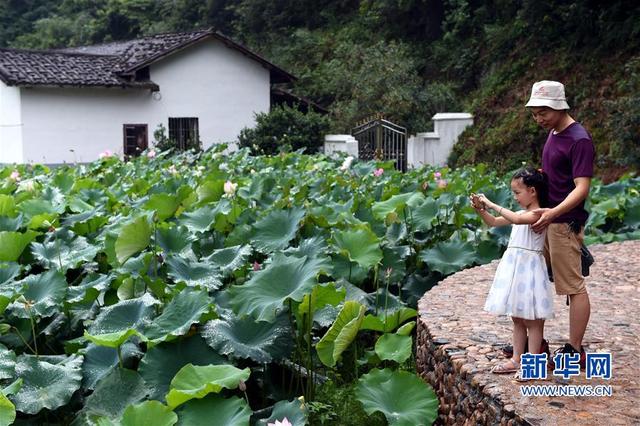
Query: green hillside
(406, 58)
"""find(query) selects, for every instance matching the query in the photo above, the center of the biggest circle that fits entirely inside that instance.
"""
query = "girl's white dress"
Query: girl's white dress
(521, 287)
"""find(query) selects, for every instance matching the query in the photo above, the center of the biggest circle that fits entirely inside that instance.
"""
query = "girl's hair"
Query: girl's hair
(535, 178)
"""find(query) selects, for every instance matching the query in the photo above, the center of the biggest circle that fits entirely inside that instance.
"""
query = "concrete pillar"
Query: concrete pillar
(449, 125)
(433, 148)
(341, 143)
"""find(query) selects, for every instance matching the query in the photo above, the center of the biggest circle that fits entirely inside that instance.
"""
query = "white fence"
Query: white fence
(431, 148)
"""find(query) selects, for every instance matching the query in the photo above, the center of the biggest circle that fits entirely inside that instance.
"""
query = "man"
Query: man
(567, 159)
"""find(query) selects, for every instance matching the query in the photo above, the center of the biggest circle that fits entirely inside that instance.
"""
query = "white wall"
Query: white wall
(434, 147)
(219, 85)
(341, 143)
(10, 125)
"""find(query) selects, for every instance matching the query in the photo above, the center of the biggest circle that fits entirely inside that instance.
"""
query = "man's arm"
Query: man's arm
(575, 197)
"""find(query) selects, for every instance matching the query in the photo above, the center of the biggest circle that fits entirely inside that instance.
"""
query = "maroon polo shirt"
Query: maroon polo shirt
(567, 155)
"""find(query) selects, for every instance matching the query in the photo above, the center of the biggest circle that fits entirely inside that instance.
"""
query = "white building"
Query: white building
(69, 105)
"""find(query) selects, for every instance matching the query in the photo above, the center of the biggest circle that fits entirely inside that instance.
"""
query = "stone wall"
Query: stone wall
(458, 343)
(460, 393)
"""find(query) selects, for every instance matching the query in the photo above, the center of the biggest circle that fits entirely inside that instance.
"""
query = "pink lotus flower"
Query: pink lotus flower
(378, 172)
(230, 188)
(256, 266)
(442, 184)
(105, 154)
(437, 175)
(283, 422)
(151, 154)
(15, 175)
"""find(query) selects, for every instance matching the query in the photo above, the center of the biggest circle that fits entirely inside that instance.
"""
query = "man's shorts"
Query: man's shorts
(562, 252)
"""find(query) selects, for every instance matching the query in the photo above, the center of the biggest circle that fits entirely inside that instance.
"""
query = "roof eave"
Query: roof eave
(151, 86)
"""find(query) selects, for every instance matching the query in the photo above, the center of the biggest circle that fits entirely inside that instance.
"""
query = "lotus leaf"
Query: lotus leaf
(294, 411)
(7, 411)
(108, 399)
(63, 255)
(394, 347)
(393, 318)
(197, 381)
(43, 295)
(133, 238)
(361, 246)
(286, 277)
(229, 259)
(227, 411)
(395, 204)
(46, 385)
(343, 331)
(100, 360)
(148, 413)
(8, 271)
(7, 206)
(175, 239)
(424, 216)
(165, 205)
(161, 363)
(12, 244)
(243, 337)
(402, 397)
(193, 273)
(7, 363)
(199, 220)
(185, 309)
(274, 231)
(116, 323)
(449, 256)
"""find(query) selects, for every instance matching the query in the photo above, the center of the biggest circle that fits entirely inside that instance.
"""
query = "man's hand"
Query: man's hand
(546, 217)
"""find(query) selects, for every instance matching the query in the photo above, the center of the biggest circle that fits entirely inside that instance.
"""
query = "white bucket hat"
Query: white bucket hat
(548, 94)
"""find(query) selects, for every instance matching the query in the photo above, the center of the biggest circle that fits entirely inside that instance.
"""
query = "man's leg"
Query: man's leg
(579, 313)
(564, 250)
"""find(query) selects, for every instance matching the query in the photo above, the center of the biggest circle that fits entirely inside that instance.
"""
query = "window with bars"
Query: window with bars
(135, 139)
(183, 132)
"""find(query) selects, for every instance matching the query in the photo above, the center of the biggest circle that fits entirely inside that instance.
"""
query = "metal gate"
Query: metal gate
(382, 140)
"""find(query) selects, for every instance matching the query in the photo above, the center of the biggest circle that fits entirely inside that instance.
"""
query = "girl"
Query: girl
(521, 286)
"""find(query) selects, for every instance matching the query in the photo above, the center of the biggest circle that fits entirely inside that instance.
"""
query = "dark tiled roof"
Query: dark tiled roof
(148, 49)
(109, 64)
(38, 68)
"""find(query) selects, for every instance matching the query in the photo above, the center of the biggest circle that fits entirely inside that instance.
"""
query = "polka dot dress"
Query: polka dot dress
(521, 287)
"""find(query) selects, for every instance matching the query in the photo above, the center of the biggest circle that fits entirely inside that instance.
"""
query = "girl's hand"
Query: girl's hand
(485, 201)
(475, 203)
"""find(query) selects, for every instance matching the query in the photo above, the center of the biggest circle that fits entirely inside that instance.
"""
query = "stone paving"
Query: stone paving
(458, 343)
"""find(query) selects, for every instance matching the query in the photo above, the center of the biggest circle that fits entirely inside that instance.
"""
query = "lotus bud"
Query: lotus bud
(230, 188)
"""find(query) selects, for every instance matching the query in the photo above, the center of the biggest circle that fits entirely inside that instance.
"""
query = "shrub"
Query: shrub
(285, 129)
(624, 117)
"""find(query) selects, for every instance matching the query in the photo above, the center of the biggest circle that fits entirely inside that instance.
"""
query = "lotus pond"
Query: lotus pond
(231, 290)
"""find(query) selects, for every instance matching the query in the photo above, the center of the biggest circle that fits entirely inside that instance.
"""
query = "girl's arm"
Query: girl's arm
(487, 217)
(491, 220)
(526, 218)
